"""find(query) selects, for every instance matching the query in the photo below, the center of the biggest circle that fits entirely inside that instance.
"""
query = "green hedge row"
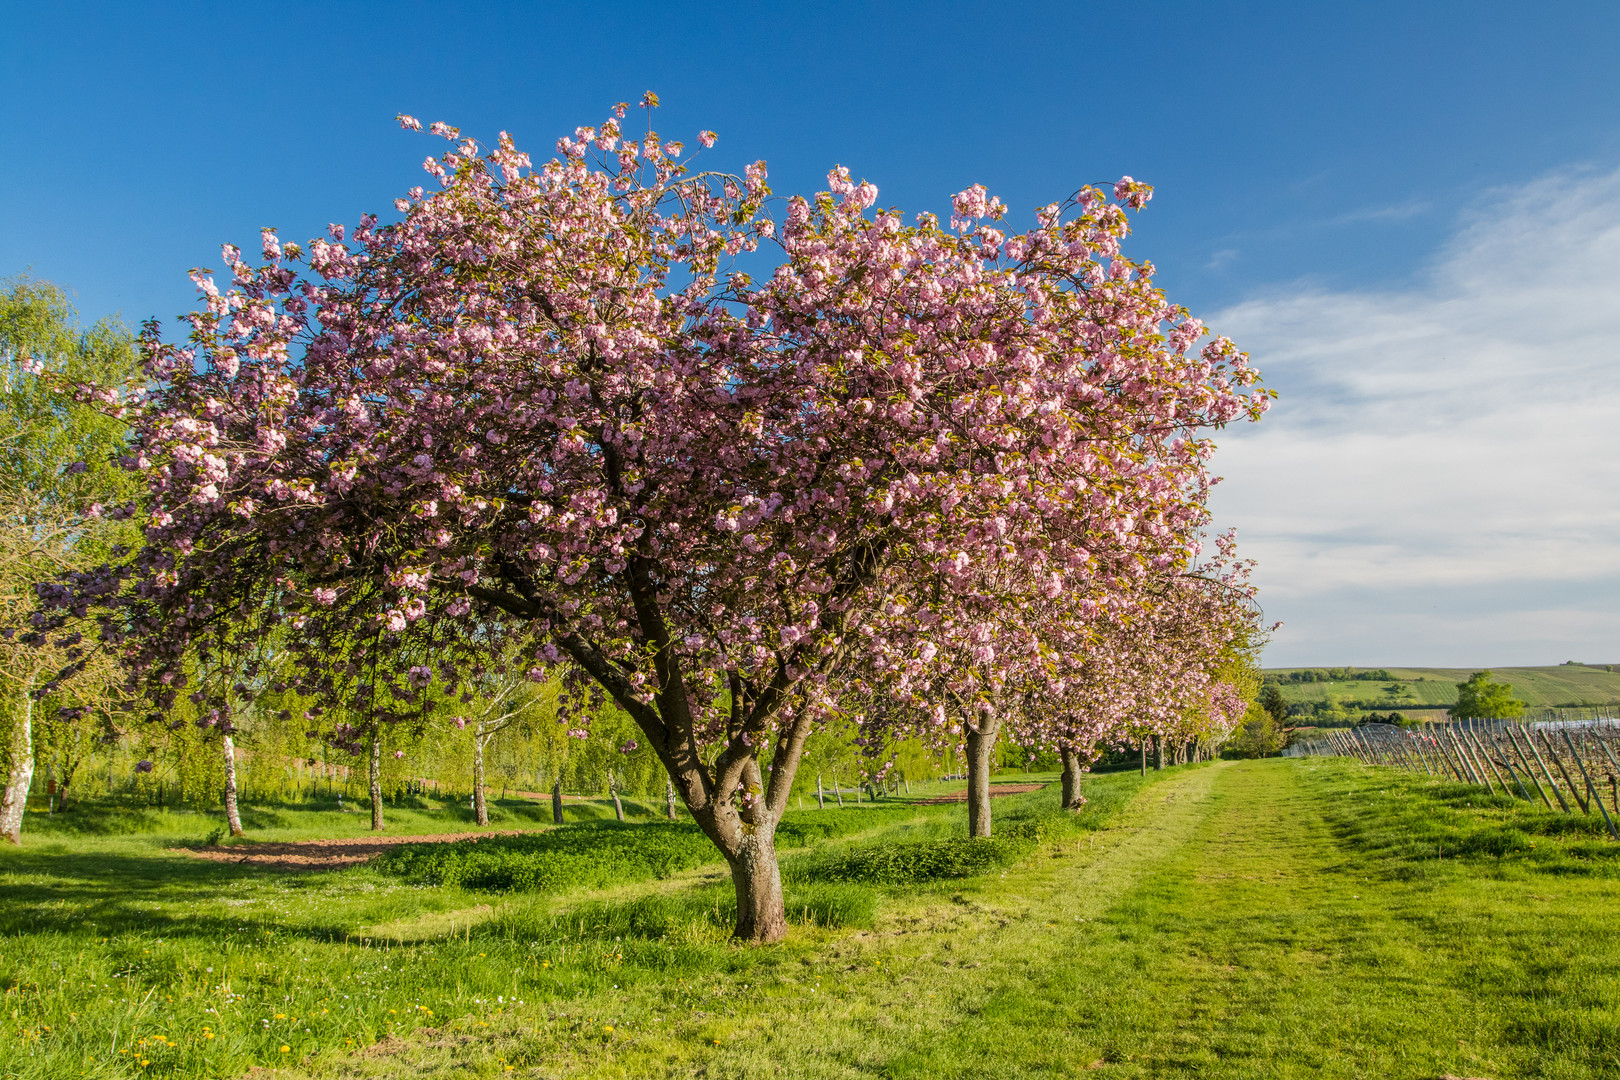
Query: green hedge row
(596, 854)
(918, 861)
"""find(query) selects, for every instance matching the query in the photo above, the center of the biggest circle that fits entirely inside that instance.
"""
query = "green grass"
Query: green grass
(602, 854)
(1287, 918)
(206, 969)
(1538, 687)
(312, 818)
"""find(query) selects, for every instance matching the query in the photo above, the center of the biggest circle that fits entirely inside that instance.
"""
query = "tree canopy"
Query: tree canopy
(546, 405)
(1482, 698)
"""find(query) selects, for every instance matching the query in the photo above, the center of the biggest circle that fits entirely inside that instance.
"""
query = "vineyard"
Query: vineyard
(1573, 761)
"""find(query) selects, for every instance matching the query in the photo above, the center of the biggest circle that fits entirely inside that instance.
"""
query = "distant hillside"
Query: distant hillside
(1417, 689)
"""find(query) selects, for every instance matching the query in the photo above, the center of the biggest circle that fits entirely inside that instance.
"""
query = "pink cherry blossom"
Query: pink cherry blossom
(924, 470)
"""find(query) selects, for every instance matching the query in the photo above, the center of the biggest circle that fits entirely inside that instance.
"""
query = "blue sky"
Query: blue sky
(1409, 213)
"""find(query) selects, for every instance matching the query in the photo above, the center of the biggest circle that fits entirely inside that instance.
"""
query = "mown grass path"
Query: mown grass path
(1224, 927)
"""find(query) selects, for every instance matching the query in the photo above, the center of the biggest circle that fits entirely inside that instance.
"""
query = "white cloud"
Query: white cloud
(1454, 438)
(1397, 212)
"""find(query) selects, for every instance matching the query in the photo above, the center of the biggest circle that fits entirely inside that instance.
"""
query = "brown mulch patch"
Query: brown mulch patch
(325, 854)
(996, 792)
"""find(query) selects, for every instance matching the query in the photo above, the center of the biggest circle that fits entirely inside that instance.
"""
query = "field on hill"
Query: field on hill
(1566, 685)
(1281, 918)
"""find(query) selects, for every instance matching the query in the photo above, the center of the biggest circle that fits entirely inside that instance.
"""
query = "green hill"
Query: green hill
(1409, 689)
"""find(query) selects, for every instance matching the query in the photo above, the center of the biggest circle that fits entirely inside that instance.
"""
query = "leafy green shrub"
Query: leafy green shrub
(576, 856)
(595, 854)
(801, 828)
(923, 860)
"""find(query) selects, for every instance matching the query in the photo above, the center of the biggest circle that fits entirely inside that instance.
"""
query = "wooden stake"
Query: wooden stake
(1530, 740)
(1525, 761)
(1462, 756)
(1479, 745)
(1547, 741)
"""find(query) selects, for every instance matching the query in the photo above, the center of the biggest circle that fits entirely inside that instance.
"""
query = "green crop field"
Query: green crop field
(1538, 687)
(1287, 918)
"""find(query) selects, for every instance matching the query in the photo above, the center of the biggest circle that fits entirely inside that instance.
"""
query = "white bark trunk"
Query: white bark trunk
(375, 780)
(480, 807)
(232, 817)
(20, 776)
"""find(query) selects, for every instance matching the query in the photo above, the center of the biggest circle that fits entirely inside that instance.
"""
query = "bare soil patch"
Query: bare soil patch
(996, 792)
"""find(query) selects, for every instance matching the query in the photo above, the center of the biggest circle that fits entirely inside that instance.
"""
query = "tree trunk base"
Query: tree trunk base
(979, 747)
(1072, 766)
(761, 914)
(233, 817)
(14, 803)
(374, 778)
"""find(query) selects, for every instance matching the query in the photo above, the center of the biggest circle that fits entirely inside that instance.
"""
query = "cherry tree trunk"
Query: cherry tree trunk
(979, 747)
(761, 915)
(480, 807)
(556, 801)
(1158, 753)
(20, 775)
(233, 818)
(613, 789)
(1072, 799)
(374, 779)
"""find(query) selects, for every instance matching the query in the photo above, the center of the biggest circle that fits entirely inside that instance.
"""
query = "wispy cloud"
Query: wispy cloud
(1454, 440)
(1396, 212)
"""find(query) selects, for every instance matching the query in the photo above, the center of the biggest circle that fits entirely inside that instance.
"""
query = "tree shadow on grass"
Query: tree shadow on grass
(110, 893)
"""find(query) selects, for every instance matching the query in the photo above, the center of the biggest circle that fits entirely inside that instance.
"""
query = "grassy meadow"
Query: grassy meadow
(1294, 917)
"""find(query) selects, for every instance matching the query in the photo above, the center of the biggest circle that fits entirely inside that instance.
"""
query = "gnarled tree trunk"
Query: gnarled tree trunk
(232, 818)
(757, 878)
(20, 774)
(980, 745)
(374, 780)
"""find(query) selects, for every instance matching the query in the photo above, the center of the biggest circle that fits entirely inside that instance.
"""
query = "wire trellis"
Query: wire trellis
(1570, 765)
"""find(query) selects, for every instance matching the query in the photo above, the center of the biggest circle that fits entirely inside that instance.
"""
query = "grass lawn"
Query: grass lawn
(1300, 917)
